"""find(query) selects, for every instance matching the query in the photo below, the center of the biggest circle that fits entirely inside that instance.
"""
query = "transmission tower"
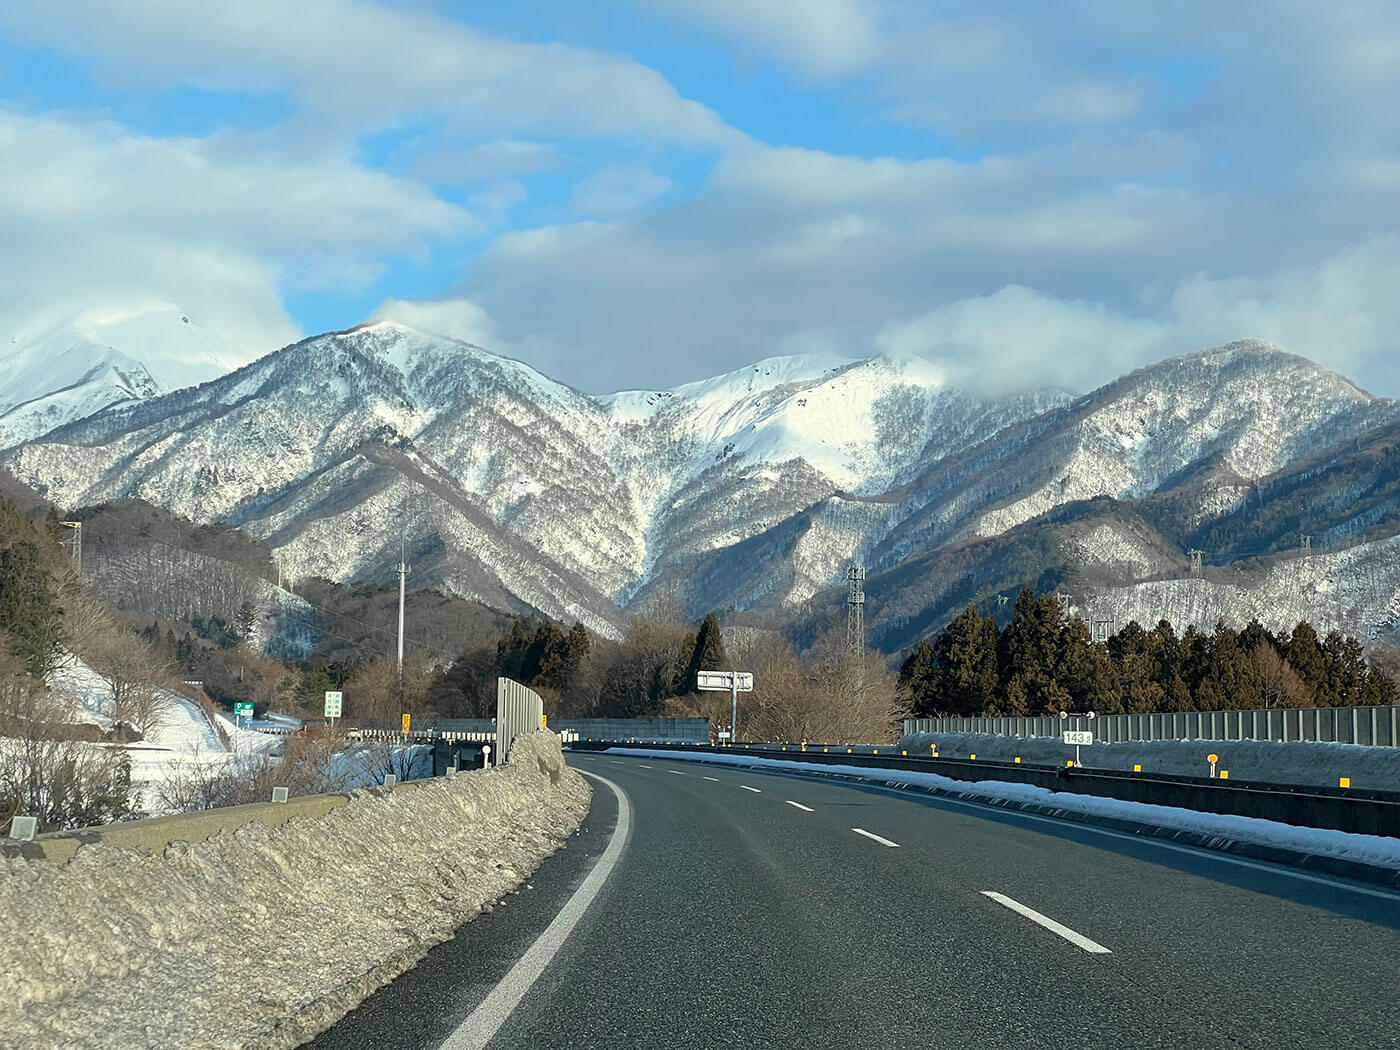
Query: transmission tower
(1307, 541)
(1101, 630)
(855, 609)
(76, 545)
(1196, 567)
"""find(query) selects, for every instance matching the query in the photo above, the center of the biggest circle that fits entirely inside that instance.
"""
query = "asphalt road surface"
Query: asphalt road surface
(763, 910)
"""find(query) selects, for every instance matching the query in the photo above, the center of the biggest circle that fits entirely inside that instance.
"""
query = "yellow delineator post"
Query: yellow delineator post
(972, 758)
(1344, 782)
(1224, 774)
(1137, 768)
(1018, 760)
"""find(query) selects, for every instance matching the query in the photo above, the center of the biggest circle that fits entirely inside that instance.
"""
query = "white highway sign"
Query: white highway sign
(724, 680)
(333, 701)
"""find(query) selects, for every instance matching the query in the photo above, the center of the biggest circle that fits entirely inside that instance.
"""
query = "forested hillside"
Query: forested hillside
(1044, 662)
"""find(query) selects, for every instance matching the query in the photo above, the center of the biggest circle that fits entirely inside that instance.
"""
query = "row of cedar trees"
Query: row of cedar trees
(1042, 663)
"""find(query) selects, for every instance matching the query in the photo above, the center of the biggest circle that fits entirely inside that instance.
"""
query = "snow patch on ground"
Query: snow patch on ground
(1364, 849)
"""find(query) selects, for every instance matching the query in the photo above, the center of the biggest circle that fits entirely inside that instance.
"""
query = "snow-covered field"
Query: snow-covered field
(1298, 762)
(185, 736)
(1364, 849)
(188, 741)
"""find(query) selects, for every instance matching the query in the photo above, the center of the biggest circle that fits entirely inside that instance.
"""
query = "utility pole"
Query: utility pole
(403, 586)
(855, 609)
(76, 544)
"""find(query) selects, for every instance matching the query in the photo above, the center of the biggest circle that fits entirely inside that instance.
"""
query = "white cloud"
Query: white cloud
(454, 318)
(821, 37)
(96, 219)
(354, 65)
(486, 160)
(1017, 337)
(618, 189)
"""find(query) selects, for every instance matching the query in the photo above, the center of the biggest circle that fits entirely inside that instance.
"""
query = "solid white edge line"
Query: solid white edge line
(1076, 939)
(486, 1020)
(799, 805)
(878, 838)
(989, 807)
(756, 791)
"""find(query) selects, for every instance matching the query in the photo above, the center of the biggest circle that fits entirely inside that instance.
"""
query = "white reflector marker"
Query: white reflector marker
(799, 805)
(1076, 939)
(878, 838)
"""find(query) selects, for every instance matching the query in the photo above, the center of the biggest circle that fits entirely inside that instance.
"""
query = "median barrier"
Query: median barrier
(1365, 812)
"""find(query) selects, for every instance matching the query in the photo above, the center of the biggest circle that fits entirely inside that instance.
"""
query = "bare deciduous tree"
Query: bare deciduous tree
(44, 773)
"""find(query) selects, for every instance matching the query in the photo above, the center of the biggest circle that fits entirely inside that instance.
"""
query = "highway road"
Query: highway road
(756, 910)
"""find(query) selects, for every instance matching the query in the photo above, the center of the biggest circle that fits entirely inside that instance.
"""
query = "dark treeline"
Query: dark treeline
(580, 675)
(1042, 663)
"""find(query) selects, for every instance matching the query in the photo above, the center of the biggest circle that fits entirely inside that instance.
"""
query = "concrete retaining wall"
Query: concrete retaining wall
(274, 925)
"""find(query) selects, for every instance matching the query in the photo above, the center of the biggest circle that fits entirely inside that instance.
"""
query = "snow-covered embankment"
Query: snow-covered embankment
(261, 938)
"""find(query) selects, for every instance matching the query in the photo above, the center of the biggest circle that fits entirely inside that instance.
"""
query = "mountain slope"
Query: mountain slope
(752, 490)
(503, 484)
(57, 371)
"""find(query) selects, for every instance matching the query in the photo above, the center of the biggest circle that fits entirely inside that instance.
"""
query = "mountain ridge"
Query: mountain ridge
(751, 490)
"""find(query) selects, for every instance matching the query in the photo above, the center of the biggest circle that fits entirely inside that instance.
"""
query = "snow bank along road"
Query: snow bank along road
(757, 910)
(261, 937)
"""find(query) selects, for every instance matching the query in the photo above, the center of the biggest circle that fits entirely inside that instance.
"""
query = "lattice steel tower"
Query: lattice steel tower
(855, 609)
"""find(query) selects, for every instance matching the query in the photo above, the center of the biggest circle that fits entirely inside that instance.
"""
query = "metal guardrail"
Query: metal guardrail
(1369, 726)
(1360, 810)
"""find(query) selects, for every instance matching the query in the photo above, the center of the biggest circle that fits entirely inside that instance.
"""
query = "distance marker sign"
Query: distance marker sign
(1078, 737)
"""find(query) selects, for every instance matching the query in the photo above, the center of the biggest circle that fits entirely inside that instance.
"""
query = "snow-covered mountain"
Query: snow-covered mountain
(41, 389)
(752, 489)
(510, 487)
(54, 371)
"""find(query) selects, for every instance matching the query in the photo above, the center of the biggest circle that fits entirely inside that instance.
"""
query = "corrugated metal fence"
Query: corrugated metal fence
(519, 710)
(665, 730)
(1375, 726)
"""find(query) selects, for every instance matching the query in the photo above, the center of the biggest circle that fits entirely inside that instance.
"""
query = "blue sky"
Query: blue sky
(640, 193)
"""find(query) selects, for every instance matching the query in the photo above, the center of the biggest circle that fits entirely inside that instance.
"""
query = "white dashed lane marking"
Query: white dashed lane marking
(878, 838)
